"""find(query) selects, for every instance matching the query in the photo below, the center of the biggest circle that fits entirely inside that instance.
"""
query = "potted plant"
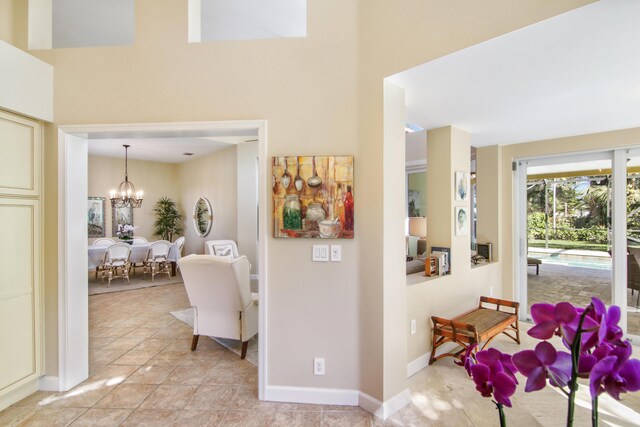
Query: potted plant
(168, 220)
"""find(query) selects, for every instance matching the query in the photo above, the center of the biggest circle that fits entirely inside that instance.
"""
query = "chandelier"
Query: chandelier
(126, 196)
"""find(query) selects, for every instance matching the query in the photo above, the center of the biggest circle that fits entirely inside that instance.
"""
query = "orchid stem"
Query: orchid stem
(594, 412)
(503, 420)
(575, 355)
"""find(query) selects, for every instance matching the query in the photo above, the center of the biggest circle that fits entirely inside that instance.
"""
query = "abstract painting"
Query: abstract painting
(313, 197)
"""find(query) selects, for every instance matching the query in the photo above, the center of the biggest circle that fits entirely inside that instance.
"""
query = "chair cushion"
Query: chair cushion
(533, 261)
(223, 250)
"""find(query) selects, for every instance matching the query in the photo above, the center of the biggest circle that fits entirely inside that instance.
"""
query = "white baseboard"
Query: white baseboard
(9, 398)
(48, 383)
(418, 364)
(320, 396)
(330, 396)
(385, 409)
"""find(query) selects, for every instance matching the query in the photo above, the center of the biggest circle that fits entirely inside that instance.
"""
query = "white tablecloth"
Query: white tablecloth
(138, 253)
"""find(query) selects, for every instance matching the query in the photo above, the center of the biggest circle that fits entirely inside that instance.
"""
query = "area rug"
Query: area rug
(186, 316)
(135, 282)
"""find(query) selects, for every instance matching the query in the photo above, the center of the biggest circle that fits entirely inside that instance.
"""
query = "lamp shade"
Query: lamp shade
(418, 226)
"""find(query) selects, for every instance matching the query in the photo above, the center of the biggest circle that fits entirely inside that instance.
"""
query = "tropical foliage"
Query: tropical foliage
(582, 209)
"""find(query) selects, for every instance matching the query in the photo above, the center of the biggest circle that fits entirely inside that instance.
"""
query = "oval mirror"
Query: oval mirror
(202, 216)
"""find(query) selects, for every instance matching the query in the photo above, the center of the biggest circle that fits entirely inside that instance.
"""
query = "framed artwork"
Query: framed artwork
(313, 197)
(95, 217)
(447, 259)
(120, 216)
(461, 221)
(414, 203)
(462, 185)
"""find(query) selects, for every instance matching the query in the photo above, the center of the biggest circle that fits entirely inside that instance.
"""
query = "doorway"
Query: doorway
(72, 196)
(571, 217)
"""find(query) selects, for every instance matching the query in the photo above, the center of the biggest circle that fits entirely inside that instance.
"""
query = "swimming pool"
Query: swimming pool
(598, 263)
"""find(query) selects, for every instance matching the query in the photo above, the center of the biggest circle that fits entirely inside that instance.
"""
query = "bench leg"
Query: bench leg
(537, 269)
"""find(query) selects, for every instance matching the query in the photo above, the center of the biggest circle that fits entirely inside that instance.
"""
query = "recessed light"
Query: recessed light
(187, 154)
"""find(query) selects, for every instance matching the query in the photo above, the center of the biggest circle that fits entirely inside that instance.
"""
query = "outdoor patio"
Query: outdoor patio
(577, 285)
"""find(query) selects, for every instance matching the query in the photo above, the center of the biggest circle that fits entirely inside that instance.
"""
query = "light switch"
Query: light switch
(320, 253)
(336, 252)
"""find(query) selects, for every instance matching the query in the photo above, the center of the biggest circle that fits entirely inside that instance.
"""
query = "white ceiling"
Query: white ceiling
(573, 74)
(167, 147)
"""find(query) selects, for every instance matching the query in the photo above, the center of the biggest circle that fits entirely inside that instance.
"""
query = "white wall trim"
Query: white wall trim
(49, 383)
(418, 364)
(73, 358)
(345, 397)
(18, 394)
(385, 409)
(316, 395)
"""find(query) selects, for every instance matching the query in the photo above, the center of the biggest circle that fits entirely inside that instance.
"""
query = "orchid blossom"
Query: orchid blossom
(598, 352)
(542, 363)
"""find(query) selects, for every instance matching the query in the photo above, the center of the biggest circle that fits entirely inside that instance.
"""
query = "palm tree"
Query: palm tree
(168, 220)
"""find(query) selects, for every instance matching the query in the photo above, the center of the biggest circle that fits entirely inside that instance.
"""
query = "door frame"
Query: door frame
(617, 156)
(73, 330)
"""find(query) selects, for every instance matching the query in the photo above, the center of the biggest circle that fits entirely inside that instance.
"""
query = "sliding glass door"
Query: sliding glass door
(579, 231)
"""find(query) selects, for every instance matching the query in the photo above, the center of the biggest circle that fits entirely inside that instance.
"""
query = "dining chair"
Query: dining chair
(180, 244)
(116, 259)
(157, 259)
(137, 240)
(103, 241)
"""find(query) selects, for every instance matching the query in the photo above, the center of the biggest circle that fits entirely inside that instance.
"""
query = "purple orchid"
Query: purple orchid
(492, 356)
(467, 359)
(493, 373)
(615, 373)
(609, 331)
(588, 360)
(550, 318)
(542, 363)
(493, 382)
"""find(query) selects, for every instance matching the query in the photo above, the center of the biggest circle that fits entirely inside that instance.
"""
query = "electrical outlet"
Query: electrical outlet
(413, 327)
(318, 366)
(336, 252)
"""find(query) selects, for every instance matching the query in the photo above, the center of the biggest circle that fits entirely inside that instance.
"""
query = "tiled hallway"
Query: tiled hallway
(142, 373)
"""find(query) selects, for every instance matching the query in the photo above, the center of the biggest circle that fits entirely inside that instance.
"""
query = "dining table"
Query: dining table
(138, 254)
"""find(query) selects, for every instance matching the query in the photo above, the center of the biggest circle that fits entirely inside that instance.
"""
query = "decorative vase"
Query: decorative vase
(315, 212)
(291, 215)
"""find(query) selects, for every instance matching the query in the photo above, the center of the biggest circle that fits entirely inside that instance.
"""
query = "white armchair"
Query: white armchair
(221, 248)
(219, 292)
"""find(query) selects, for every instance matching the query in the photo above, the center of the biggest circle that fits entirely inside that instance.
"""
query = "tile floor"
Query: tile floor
(577, 285)
(143, 374)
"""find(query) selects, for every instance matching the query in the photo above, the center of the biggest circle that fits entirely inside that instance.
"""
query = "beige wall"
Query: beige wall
(13, 22)
(156, 179)
(214, 177)
(331, 82)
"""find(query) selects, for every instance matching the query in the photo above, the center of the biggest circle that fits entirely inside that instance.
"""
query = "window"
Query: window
(247, 19)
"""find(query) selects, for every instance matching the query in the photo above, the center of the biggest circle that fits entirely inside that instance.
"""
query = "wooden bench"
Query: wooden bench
(480, 325)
